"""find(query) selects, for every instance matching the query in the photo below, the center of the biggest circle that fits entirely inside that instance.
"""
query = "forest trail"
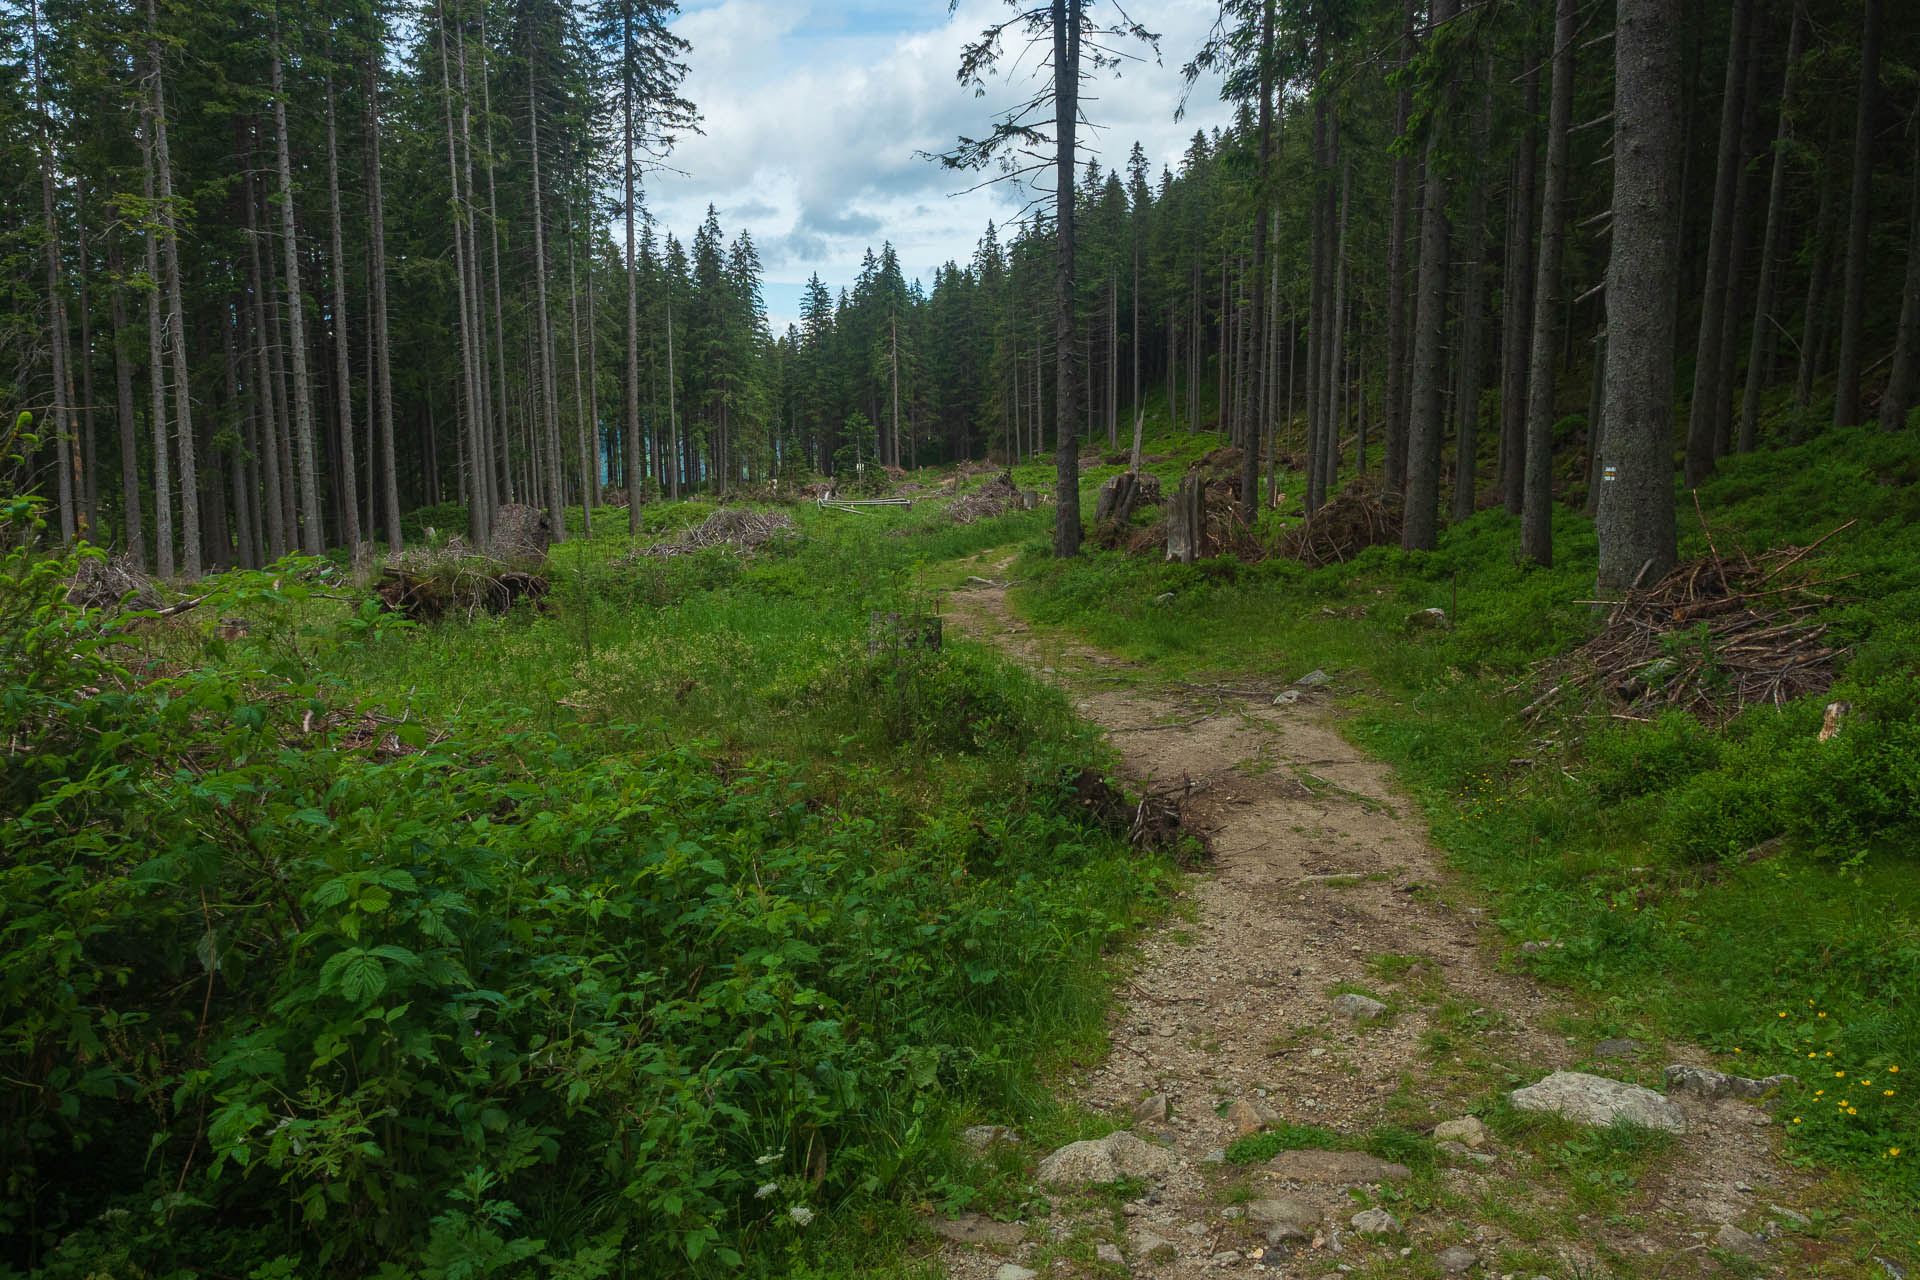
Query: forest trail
(1323, 883)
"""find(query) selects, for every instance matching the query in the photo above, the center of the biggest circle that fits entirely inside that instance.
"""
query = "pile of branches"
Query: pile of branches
(1343, 528)
(736, 529)
(1712, 637)
(1157, 823)
(996, 497)
(429, 584)
(110, 585)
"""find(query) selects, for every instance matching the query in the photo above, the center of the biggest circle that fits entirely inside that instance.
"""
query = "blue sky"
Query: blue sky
(814, 112)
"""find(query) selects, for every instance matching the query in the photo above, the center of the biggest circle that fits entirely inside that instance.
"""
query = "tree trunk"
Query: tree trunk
(382, 343)
(1813, 337)
(631, 429)
(170, 255)
(89, 497)
(312, 534)
(1846, 385)
(1515, 351)
(156, 371)
(478, 516)
(1708, 394)
(672, 486)
(1250, 451)
(1394, 465)
(1066, 388)
(342, 372)
(549, 399)
(1536, 518)
(501, 425)
(1764, 294)
(132, 523)
(1473, 311)
(1337, 357)
(582, 412)
(1638, 541)
(1906, 347)
(59, 412)
(1421, 518)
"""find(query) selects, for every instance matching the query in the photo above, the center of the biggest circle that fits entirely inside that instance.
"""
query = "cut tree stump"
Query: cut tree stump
(1186, 519)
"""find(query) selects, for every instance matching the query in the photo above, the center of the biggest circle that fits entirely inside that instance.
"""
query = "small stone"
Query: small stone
(1544, 944)
(1429, 620)
(1786, 1215)
(974, 1228)
(1314, 679)
(1336, 1168)
(1286, 699)
(1013, 1271)
(1619, 1047)
(1358, 1007)
(982, 1136)
(1108, 1252)
(1157, 1109)
(1227, 1258)
(1598, 1101)
(1195, 1228)
(1284, 1219)
(1893, 1269)
(1467, 1129)
(1458, 1260)
(1248, 1118)
(1375, 1222)
(1743, 1243)
(1704, 1082)
(1216, 1156)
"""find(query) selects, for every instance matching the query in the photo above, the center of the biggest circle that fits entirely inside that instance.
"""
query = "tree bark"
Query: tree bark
(1515, 352)
(478, 516)
(1421, 518)
(1638, 540)
(132, 521)
(1846, 386)
(1394, 465)
(1906, 348)
(1536, 517)
(549, 399)
(170, 255)
(156, 366)
(1250, 452)
(313, 539)
(342, 370)
(1066, 388)
(631, 431)
(1473, 312)
(382, 342)
(1764, 294)
(1708, 394)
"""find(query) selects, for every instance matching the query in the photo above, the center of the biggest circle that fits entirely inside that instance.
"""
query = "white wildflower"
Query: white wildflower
(800, 1214)
(766, 1189)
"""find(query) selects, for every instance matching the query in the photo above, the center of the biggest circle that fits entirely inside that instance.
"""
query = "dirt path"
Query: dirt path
(1324, 884)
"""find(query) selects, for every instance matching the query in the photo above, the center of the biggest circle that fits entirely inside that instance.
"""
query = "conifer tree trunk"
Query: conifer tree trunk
(343, 372)
(630, 432)
(1638, 540)
(1257, 424)
(583, 411)
(312, 534)
(478, 514)
(170, 255)
(1066, 388)
(1337, 356)
(1517, 309)
(389, 483)
(1846, 386)
(1708, 394)
(133, 524)
(59, 411)
(1536, 519)
(1394, 466)
(90, 490)
(1899, 396)
(1813, 338)
(673, 416)
(1473, 310)
(1741, 249)
(1764, 293)
(500, 422)
(1421, 518)
(156, 371)
(549, 399)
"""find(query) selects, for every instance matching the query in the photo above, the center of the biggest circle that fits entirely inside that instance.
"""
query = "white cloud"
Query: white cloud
(815, 115)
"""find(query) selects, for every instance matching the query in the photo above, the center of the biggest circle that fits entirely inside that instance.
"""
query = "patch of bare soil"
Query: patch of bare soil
(1323, 883)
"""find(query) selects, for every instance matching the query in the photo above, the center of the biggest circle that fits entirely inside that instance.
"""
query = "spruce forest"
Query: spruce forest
(1342, 699)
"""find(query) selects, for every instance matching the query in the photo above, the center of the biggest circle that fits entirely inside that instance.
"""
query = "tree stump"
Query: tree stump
(520, 533)
(1186, 519)
(1116, 500)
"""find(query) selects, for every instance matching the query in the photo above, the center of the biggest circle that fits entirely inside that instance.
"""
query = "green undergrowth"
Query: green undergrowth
(668, 930)
(1745, 886)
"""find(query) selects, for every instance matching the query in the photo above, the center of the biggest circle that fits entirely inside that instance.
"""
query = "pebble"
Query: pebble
(1358, 1007)
(1013, 1271)
(1458, 1260)
(1467, 1129)
(1620, 1047)
(1375, 1222)
(1744, 1243)
(1154, 1110)
(1109, 1253)
(1788, 1215)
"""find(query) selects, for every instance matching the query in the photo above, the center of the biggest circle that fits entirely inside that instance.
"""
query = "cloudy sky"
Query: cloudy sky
(815, 112)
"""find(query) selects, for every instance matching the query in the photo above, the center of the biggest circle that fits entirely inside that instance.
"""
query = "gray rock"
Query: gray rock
(1108, 1252)
(1358, 1007)
(1216, 1156)
(1790, 1217)
(1284, 1219)
(1226, 1259)
(1249, 1117)
(1743, 1243)
(1620, 1047)
(982, 1136)
(1467, 1129)
(1155, 1110)
(1287, 698)
(1336, 1168)
(1152, 1246)
(1375, 1222)
(1429, 620)
(1164, 598)
(1109, 1159)
(1544, 944)
(1893, 1269)
(1461, 1151)
(1704, 1082)
(1314, 679)
(974, 1228)
(1596, 1100)
(1458, 1260)
(1013, 1271)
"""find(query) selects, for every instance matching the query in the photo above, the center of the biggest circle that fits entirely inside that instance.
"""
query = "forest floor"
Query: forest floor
(1228, 1049)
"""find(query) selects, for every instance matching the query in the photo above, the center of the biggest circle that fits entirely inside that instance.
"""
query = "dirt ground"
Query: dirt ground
(1323, 883)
